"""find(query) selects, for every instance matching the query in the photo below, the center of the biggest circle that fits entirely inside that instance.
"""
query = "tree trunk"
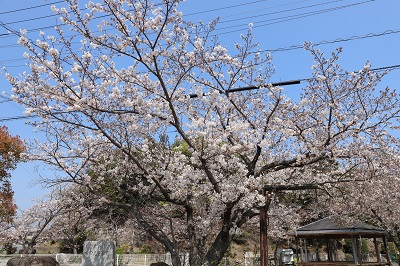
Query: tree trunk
(176, 260)
(221, 243)
(220, 246)
(157, 235)
(195, 254)
(28, 247)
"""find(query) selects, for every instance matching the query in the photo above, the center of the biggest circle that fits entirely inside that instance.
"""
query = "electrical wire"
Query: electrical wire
(357, 37)
(260, 9)
(10, 31)
(82, 9)
(338, 40)
(224, 8)
(13, 118)
(279, 49)
(5, 99)
(208, 11)
(31, 19)
(30, 8)
(287, 18)
(278, 12)
(291, 82)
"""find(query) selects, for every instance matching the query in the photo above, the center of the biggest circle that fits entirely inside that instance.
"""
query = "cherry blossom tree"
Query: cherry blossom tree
(82, 218)
(72, 223)
(373, 198)
(28, 228)
(134, 75)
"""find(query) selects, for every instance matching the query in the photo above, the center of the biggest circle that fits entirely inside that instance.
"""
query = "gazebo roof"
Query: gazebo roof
(333, 228)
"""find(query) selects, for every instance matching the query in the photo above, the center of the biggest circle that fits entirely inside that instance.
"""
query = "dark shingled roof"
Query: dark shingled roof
(331, 228)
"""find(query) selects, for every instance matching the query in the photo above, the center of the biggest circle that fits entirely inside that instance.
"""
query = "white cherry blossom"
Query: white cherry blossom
(112, 104)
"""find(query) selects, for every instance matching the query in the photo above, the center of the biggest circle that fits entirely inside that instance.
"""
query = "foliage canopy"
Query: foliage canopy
(11, 148)
(112, 90)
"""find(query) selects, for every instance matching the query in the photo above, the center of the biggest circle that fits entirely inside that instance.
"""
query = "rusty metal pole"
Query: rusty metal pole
(263, 237)
(264, 232)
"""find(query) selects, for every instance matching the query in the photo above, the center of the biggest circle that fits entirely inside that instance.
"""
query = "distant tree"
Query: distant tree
(375, 201)
(29, 227)
(78, 220)
(111, 91)
(73, 244)
(82, 217)
(70, 228)
(11, 148)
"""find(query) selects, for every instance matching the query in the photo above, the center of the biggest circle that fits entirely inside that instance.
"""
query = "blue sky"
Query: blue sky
(369, 30)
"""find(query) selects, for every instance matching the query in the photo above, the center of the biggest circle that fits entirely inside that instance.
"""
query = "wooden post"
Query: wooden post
(264, 230)
(354, 251)
(386, 250)
(264, 216)
(378, 254)
(329, 249)
(360, 251)
(305, 249)
(263, 237)
(297, 248)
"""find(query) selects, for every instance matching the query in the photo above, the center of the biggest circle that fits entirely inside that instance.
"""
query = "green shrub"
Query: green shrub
(364, 247)
(348, 257)
(119, 250)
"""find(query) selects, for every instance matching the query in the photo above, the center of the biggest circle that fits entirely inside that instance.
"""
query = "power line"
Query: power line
(278, 12)
(298, 16)
(278, 84)
(289, 18)
(190, 14)
(5, 97)
(82, 9)
(264, 8)
(281, 49)
(22, 117)
(338, 40)
(29, 8)
(224, 8)
(283, 83)
(10, 31)
(5, 101)
(31, 19)
(267, 50)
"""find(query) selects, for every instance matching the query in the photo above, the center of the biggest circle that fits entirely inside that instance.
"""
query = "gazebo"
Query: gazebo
(328, 231)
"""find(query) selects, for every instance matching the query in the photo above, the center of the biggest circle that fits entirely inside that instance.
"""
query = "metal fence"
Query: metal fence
(141, 259)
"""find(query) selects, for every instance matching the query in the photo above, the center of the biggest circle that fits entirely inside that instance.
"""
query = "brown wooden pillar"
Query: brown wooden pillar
(264, 230)
(263, 236)
(305, 249)
(329, 249)
(359, 250)
(355, 250)
(386, 250)
(378, 254)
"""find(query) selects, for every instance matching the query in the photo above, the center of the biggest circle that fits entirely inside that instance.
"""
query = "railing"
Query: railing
(340, 263)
